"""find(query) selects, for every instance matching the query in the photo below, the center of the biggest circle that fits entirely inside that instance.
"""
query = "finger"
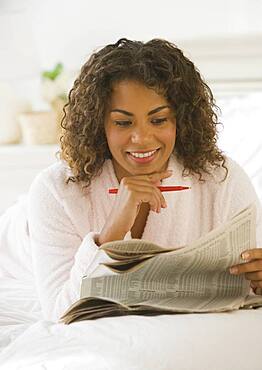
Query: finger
(256, 284)
(246, 267)
(138, 207)
(159, 198)
(155, 177)
(251, 254)
(257, 291)
(146, 180)
(253, 275)
(158, 202)
(142, 185)
(145, 194)
(142, 181)
(162, 199)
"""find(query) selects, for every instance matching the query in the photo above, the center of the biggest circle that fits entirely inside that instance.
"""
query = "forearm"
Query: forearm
(111, 233)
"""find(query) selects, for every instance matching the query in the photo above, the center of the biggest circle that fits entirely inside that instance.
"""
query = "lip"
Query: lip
(141, 151)
(144, 160)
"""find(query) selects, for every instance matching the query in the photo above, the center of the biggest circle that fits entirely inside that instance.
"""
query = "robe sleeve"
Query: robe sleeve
(60, 256)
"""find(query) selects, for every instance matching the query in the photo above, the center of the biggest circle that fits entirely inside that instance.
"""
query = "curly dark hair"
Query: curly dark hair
(160, 65)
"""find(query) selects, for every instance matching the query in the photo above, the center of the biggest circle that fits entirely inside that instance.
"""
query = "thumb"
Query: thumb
(138, 208)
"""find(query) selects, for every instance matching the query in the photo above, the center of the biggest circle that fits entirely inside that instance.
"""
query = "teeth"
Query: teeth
(143, 155)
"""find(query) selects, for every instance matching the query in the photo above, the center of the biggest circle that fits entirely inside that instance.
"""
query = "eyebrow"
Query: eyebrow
(149, 113)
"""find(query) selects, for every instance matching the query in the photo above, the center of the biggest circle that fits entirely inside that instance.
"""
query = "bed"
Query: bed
(194, 341)
(217, 341)
(230, 340)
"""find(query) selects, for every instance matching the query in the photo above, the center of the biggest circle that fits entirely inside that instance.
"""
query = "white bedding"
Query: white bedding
(225, 341)
(19, 308)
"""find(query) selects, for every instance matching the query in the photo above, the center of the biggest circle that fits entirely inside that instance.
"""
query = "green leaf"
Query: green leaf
(53, 73)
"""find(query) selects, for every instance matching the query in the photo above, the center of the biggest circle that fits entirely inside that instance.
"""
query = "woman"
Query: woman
(139, 115)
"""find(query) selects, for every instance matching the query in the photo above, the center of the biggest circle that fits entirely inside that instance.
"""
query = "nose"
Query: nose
(141, 134)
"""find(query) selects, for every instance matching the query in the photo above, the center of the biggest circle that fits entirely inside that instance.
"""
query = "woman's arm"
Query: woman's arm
(60, 257)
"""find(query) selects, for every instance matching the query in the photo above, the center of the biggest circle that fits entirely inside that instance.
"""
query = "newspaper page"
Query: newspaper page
(194, 278)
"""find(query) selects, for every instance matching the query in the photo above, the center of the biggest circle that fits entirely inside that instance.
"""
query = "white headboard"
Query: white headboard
(230, 64)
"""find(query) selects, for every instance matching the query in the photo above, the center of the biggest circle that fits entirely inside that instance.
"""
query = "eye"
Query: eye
(158, 121)
(123, 123)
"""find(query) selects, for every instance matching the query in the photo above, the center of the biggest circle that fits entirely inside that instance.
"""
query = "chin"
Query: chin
(146, 170)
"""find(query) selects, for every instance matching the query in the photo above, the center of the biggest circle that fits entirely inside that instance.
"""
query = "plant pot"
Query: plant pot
(38, 128)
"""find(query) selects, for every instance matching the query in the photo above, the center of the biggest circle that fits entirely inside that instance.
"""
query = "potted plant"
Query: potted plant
(55, 87)
(44, 127)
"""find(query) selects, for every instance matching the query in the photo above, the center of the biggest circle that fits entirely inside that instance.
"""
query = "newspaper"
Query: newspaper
(151, 280)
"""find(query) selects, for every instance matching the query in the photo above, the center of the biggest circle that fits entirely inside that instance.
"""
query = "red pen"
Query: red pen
(161, 188)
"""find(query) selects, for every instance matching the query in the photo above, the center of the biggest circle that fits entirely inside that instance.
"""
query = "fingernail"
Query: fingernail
(233, 270)
(245, 256)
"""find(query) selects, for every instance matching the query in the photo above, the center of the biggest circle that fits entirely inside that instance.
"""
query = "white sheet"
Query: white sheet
(222, 341)
(19, 308)
(184, 342)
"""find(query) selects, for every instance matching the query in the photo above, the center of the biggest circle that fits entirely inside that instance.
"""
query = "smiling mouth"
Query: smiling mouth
(143, 157)
(144, 154)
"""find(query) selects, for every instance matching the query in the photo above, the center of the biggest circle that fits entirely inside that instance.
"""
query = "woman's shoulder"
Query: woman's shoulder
(215, 175)
(54, 179)
(231, 170)
(237, 186)
(225, 172)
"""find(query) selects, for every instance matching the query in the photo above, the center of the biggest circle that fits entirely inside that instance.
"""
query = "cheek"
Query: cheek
(115, 139)
(169, 137)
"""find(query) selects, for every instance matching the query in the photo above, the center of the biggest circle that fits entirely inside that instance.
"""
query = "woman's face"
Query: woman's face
(140, 129)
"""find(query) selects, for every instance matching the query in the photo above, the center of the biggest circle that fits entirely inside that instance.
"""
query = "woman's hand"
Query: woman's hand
(252, 268)
(133, 191)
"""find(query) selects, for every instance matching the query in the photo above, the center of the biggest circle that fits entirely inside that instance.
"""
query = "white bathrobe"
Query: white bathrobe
(63, 221)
